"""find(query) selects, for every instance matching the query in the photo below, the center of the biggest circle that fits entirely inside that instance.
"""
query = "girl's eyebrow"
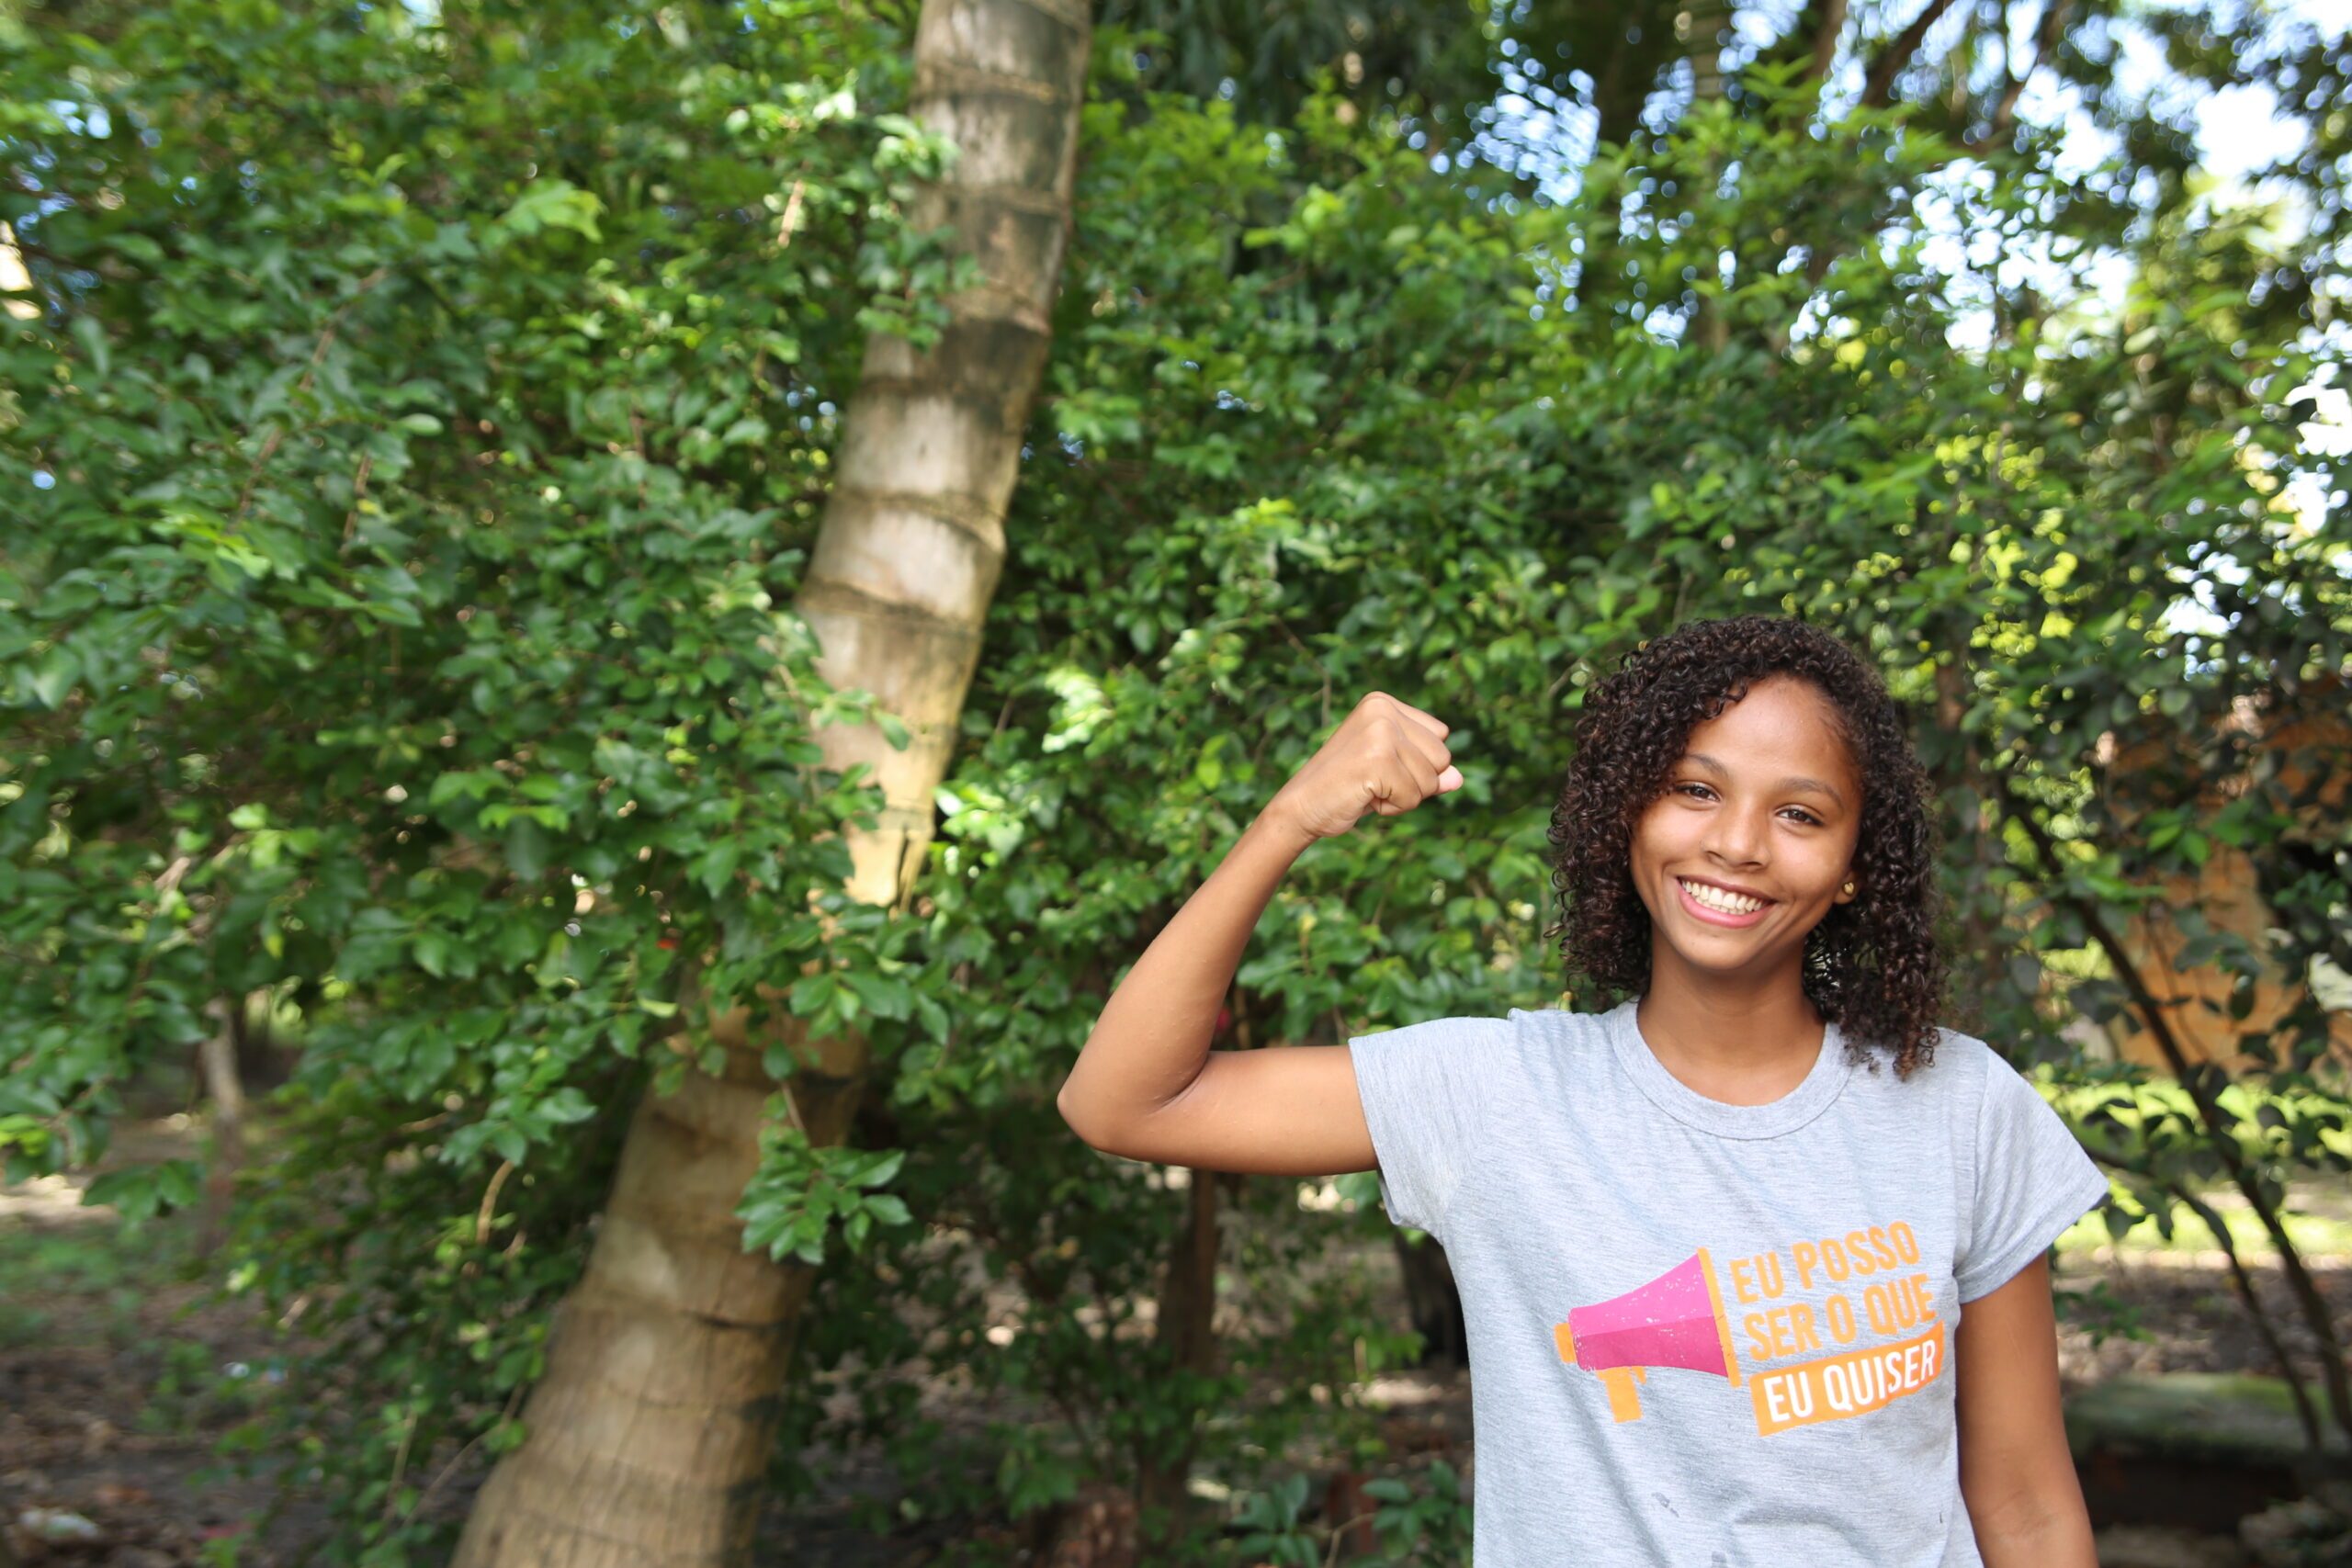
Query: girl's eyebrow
(1796, 784)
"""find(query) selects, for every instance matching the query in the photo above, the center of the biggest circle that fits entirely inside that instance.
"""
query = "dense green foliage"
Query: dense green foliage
(396, 623)
(434, 422)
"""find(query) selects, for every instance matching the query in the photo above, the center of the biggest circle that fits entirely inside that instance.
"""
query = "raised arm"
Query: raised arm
(1147, 1086)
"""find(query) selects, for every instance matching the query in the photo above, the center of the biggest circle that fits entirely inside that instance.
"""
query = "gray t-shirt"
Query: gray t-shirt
(1714, 1335)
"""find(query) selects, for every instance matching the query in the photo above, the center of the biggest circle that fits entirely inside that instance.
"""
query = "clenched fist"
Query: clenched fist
(1387, 757)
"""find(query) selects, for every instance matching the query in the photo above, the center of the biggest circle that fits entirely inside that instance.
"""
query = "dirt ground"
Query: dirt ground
(108, 1403)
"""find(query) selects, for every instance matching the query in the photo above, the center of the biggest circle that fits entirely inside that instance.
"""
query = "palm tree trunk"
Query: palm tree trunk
(650, 1433)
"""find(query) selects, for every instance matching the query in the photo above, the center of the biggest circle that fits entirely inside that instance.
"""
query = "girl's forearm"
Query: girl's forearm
(2056, 1537)
(1154, 1036)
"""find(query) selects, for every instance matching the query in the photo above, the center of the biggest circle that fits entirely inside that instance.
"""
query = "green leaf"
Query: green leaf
(527, 848)
(715, 867)
(143, 1191)
(55, 675)
(92, 335)
(882, 995)
(550, 203)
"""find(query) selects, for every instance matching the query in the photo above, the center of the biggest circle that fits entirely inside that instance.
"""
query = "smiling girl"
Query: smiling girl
(1754, 1262)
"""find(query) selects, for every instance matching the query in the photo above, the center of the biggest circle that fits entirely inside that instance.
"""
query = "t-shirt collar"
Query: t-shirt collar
(1810, 1098)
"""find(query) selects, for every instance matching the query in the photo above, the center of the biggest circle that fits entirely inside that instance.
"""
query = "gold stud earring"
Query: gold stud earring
(1849, 886)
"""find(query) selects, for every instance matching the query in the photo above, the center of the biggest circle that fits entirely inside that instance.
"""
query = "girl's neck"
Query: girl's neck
(1744, 1047)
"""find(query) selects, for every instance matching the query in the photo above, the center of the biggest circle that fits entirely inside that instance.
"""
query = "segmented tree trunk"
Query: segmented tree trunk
(650, 1435)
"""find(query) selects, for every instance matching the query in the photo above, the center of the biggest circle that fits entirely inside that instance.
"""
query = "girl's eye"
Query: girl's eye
(1809, 820)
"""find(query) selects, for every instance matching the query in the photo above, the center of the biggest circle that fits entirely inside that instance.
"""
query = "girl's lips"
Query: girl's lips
(1714, 917)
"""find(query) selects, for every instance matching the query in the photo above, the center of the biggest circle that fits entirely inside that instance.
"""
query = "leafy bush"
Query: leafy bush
(428, 422)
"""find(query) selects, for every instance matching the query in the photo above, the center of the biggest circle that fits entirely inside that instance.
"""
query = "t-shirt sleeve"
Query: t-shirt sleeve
(1427, 1089)
(2033, 1180)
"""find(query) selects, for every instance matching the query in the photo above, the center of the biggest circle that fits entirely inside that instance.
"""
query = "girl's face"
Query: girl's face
(1754, 838)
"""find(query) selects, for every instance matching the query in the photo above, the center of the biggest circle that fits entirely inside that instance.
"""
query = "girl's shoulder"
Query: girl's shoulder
(1551, 1030)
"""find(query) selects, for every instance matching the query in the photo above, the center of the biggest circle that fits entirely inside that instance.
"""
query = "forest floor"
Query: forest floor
(119, 1370)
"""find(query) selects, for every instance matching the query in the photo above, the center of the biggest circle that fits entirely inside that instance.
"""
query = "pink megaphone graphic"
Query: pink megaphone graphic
(1676, 1320)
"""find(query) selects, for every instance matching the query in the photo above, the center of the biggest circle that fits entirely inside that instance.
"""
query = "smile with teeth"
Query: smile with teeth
(1716, 898)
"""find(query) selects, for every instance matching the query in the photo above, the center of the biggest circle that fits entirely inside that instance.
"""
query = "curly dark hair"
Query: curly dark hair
(1872, 963)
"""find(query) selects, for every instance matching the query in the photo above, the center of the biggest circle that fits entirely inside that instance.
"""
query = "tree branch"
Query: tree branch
(1879, 90)
(2054, 24)
(1825, 41)
(2220, 1137)
(2240, 1278)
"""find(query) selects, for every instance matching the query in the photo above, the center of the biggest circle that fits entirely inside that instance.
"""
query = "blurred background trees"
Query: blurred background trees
(425, 416)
